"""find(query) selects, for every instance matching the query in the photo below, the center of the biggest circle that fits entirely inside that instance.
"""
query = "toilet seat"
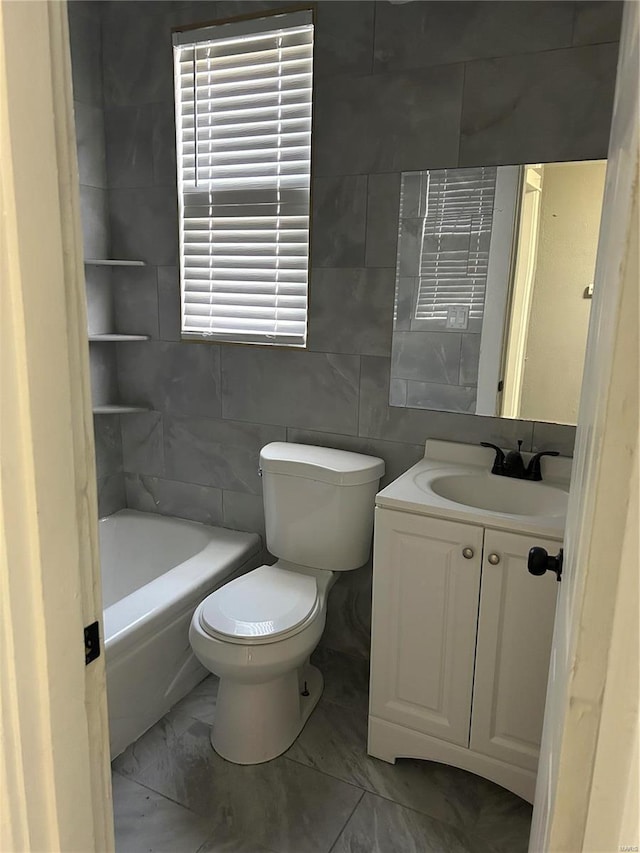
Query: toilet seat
(265, 605)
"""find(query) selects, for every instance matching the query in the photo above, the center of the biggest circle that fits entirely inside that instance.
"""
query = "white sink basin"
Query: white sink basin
(496, 494)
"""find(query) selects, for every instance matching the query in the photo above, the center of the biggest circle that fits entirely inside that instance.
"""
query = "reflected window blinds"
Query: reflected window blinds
(456, 233)
(243, 125)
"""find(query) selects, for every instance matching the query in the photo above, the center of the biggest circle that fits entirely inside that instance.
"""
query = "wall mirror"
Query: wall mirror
(494, 279)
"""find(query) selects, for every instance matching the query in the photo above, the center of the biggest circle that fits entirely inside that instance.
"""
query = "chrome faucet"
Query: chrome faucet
(512, 464)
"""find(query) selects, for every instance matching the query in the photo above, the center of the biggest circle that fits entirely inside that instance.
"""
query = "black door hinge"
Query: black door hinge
(501, 385)
(91, 642)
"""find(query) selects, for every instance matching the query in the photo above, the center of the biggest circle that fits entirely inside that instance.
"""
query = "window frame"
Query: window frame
(181, 36)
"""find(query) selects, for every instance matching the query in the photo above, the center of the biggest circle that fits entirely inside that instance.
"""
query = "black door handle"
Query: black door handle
(540, 562)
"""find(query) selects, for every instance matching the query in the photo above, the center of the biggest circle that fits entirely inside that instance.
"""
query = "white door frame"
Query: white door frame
(521, 295)
(494, 319)
(54, 766)
(54, 753)
(588, 769)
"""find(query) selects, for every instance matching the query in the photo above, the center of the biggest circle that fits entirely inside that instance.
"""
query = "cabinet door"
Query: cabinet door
(425, 610)
(515, 629)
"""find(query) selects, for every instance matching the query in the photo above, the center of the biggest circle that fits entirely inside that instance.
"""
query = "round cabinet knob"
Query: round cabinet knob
(467, 553)
(494, 559)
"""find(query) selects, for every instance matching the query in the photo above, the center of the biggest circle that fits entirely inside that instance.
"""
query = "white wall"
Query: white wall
(568, 238)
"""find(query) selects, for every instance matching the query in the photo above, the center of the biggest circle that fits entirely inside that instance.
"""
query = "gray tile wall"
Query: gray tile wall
(86, 61)
(398, 87)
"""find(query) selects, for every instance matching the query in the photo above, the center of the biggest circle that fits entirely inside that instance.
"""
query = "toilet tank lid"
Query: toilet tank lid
(340, 467)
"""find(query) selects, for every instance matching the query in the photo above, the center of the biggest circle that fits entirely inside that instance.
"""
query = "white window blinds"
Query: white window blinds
(243, 124)
(456, 235)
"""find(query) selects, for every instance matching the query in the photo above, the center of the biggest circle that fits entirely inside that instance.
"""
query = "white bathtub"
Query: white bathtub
(155, 570)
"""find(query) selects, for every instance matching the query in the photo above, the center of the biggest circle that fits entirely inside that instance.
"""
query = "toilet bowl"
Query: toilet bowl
(257, 632)
(268, 688)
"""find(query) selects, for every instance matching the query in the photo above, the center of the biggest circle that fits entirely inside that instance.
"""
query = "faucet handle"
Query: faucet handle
(534, 471)
(498, 462)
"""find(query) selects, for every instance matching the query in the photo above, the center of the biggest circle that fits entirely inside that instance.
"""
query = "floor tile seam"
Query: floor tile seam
(198, 719)
(285, 757)
(164, 796)
(461, 828)
(139, 769)
(323, 773)
(345, 824)
(363, 788)
(211, 838)
(467, 829)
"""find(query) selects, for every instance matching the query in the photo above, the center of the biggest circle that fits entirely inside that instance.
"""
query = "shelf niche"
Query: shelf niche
(96, 262)
(116, 409)
(114, 337)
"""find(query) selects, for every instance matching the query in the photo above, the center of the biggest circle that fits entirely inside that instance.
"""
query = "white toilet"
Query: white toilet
(257, 632)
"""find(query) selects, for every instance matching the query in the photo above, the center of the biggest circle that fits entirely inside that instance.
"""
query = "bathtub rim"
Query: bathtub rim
(132, 618)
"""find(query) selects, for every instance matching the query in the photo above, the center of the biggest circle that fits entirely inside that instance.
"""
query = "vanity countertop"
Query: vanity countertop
(412, 491)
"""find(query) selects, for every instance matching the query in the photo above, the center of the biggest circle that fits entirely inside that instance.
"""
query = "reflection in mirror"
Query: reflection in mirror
(493, 287)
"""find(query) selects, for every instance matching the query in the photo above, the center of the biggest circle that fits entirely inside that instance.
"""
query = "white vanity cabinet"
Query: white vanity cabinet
(425, 613)
(515, 630)
(461, 639)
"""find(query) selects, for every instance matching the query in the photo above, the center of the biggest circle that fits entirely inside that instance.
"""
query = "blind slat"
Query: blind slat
(243, 126)
(456, 231)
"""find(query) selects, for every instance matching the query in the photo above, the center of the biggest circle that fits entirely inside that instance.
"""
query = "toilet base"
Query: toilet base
(255, 723)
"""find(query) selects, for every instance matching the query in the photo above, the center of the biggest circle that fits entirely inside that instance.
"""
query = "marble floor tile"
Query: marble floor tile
(281, 805)
(325, 788)
(504, 820)
(222, 843)
(201, 702)
(163, 735)
(146, 821)
(346, 679)
(334, 741)
(380, 826)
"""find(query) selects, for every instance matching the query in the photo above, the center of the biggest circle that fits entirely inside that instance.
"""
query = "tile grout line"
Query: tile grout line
(359, 395)
(370, 789)
(408, 69)
(374, 24)
(159, 794)
(467, 829)
(324, 773)
(574, 21)
(341, 832)
(290, 428)
(386, 797)
(462, 94)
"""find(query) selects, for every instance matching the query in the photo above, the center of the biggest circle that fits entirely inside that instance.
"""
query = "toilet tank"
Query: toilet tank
(318, 504)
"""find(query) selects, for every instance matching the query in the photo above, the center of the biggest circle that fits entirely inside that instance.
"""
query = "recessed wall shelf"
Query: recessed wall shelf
(104, 263)
(114, 336)
(114, 409)
(101, 359)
